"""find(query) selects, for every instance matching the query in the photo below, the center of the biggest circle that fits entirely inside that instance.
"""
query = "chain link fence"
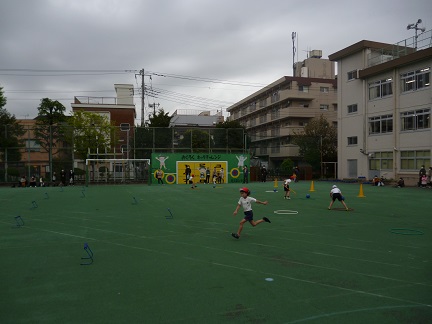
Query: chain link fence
(48, 152)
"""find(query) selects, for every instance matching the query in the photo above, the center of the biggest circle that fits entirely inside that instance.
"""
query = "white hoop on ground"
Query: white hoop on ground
(286, 212)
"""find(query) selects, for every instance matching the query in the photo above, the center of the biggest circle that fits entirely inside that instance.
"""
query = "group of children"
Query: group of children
(246, 201)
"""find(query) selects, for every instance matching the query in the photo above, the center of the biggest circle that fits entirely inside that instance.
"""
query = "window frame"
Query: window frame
(352, 140)
(381, 161)
(352, 75)
(380, 89)
(380, 124)
(353, 108)
(415, 80)
(324, 107)
(410, 120)
(413, 160)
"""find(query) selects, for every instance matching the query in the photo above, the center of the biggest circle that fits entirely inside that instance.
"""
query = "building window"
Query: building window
(381, 161)
(252, 106)
(381, 124)
(414, 120)
(380, 89)
(352, 140)
(275, 147)
(352, 109)
(352, 75)
(415, 80)
(303, 88)
(275, 131)
(324, 89)
(252, 122)
(263, 118)
(32, 146)
(324, 107)
(275, 97)
(274, 113)
(413, 160)
(263, 103)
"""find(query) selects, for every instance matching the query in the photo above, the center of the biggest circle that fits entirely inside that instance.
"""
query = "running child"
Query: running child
(336, 193)
(245, 202)
(191, 181)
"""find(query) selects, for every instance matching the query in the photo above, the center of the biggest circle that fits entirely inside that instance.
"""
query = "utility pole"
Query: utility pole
(142, 98)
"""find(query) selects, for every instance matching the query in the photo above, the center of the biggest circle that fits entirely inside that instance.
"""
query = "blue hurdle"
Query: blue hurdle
(171, 216)
(89, 253)
(19, 221)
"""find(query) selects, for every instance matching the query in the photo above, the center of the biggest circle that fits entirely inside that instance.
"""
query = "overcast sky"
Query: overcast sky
(70, 48)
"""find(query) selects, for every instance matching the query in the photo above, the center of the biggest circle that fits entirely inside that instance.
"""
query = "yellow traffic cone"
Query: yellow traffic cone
(275, 183)
(312, 188)
(361, 194)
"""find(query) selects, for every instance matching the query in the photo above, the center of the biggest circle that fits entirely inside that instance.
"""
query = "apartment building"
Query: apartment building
(120, 110)
(272, 114)
(384, 100)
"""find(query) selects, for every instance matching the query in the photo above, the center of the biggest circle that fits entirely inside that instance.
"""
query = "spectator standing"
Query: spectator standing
(71, 178)
(422, 173)
(159, 176)
(207, 179)
(245, 174)
(63, 177)
(297, 173)
(430, 175)
(263, 174)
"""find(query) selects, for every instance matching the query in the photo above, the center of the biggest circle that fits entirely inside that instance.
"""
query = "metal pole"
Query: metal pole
(28, 151)
(142, 99)
(127, 144)
(6, 157)
(50, 153)
(321, 156)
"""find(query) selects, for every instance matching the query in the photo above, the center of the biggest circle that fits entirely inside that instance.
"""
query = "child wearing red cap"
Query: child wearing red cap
(245, 201)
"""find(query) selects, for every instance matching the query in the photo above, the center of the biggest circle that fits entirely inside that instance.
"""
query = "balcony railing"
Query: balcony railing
(402, 48)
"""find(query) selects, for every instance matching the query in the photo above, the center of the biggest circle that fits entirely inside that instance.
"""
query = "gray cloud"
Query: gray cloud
(241, 40)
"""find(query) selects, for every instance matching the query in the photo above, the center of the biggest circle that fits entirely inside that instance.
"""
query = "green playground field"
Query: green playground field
(369, 265)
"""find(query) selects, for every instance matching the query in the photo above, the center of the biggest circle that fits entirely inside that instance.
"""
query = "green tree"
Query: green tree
(318, 142)
(156, 135)
(199, 140)
(49, 122)
(287, 166)
(90, 132)
(229, 134)
(10, 133)
(143, 142)
(161, 119)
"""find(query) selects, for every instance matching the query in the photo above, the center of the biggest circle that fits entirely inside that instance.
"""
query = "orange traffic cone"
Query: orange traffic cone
(361, 194)
(312, 188)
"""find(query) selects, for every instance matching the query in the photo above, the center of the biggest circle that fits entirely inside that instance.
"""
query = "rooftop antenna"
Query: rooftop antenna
(416, 28)
(293, 36)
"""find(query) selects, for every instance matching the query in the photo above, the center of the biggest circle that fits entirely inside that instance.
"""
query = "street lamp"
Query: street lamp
(416, 28)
